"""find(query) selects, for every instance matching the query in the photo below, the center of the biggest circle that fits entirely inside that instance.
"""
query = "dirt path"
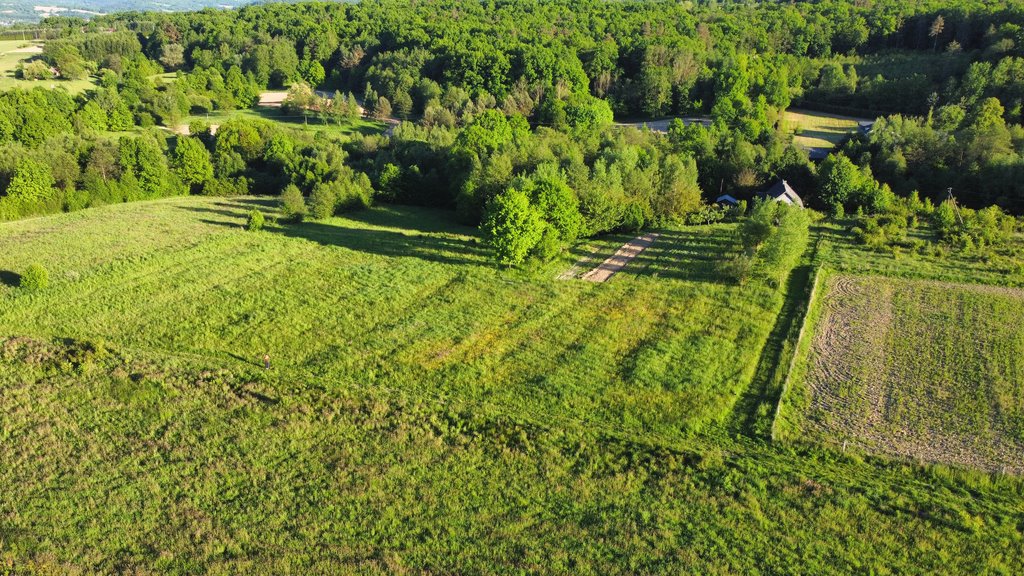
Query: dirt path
(621, 258)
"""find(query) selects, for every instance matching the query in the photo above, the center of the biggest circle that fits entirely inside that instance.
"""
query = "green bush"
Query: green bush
(549, 245)
(255, 222)
(35, 277)
(293, 205)
(512, 226)
(324, 199)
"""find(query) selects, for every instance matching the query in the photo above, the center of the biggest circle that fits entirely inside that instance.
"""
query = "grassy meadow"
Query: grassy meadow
(12, 54)
(426, 412)
(311, 123)
(402, 298)
(818, 129)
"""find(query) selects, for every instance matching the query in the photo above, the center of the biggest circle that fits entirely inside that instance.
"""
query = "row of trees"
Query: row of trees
(514, 106)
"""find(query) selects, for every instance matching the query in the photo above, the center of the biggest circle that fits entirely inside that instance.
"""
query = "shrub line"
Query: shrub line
(811, 300)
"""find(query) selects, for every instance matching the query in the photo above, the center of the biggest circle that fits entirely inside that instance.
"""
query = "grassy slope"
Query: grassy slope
(401, 298)
(164, 464)
(425, 412)
(818, 129)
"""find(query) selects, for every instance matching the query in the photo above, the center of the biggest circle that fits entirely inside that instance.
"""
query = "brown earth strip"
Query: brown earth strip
(856, 384)
(621, 258)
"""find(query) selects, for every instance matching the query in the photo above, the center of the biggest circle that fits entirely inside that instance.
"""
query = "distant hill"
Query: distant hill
(19, 11)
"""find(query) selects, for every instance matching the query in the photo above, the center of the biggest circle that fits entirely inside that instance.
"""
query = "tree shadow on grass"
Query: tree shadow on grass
(266, 203)
(428, 234)
(425, 246)
(413, 218)
(218, 212)
(689, 254)
(9, 278)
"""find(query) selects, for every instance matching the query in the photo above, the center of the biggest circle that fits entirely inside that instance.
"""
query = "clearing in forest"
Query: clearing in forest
(820, 130)
(15, 52)
(924, 370)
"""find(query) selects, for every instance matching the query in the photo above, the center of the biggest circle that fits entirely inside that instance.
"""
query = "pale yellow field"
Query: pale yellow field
(819, 130)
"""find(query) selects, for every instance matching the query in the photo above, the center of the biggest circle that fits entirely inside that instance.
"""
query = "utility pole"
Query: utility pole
(949, 192)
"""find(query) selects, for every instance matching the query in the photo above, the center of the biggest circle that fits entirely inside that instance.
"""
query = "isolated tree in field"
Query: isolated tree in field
(300, 97)
(786, 244)
(192, 161)
(756, 229)
(255, 221)
(338, 108)
(773, 238)
(293, 205)
(512, 226)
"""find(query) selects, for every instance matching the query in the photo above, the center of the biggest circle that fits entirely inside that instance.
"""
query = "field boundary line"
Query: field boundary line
(811, 302)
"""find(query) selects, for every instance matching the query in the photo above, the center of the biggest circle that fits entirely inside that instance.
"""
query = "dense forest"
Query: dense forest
(507, 109)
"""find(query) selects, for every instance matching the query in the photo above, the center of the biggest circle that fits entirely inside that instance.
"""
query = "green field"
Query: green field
(916, 369)
(425, 412)
(310, 123)
(10, 57)
(818, 129)
(400, 299)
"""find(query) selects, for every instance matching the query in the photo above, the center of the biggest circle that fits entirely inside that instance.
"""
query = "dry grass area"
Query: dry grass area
(819, 130)
(923, 370)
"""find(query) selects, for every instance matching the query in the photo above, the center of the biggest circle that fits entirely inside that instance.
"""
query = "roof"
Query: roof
(783, 192)
(726, 199)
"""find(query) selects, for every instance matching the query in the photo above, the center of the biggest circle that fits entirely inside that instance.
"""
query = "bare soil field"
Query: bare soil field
(923, 370)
